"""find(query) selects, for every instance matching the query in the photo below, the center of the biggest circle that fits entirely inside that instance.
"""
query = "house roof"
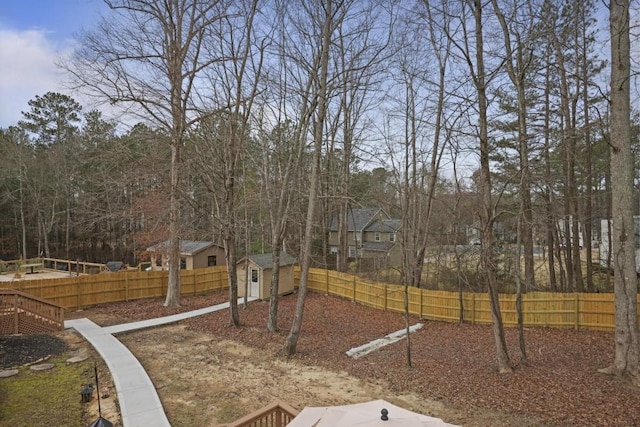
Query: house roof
(357, 219)
(266, 260)
(187, 247)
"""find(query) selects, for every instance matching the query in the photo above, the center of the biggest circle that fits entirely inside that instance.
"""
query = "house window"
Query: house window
(352, 251)
(254, 275)
(392, 237)
(183, 263)
(376, 236)
(211, 261)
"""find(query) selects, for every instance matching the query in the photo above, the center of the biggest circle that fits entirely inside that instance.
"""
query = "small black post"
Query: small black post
(95, 369)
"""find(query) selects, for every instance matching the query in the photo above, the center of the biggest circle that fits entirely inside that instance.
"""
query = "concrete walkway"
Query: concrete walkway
(139, 402)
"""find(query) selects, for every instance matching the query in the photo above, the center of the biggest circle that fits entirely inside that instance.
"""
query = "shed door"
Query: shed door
(254, 282)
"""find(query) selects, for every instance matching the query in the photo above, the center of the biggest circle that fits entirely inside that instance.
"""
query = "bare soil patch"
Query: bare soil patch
(18, 350)
(208, 372)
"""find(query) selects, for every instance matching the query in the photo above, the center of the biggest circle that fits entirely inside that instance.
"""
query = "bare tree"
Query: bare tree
(283, 145)
(240, 85)
(325, 14)
(627, 331)
(518, 60)
(150, 55)
(15, 155)
(359, 59)
(475, 61)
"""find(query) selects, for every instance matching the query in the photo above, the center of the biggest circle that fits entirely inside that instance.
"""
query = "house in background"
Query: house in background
(606, 259)
(371, 234)
(193, 254)
(258, 270)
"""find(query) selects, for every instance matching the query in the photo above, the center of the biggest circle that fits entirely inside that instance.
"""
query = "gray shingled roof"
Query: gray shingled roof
(187, 247)
(357, 219)
(266, 260)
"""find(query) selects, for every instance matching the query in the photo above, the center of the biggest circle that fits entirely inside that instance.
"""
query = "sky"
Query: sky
(33, 35)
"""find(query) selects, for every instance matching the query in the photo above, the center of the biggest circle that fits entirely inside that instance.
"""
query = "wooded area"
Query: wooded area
(399, 134)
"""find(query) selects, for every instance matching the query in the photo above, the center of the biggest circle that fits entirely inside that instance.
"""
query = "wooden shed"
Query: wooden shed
(193, 254)
(258, 270)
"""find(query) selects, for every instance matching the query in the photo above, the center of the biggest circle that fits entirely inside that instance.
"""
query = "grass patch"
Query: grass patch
(45, 398)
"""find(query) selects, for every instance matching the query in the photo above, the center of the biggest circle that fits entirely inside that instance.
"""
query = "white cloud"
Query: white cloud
(28, 69)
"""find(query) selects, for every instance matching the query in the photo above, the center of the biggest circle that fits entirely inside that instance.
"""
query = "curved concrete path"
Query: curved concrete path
(139, 403)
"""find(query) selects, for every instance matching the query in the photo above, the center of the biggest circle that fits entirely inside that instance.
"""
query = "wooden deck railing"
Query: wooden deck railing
(277, 414)
(22, 313)
(73, 267)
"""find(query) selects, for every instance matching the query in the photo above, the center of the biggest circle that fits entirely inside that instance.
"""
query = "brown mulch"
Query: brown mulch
(452, 363)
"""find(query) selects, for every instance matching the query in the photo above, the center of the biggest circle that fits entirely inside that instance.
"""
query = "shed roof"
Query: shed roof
(187, 247)
(266, 260)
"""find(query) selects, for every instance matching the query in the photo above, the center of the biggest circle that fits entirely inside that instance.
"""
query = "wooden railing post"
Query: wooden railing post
(15, 314)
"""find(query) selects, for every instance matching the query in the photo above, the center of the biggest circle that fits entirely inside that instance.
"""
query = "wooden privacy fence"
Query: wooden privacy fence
(572, 310)
(84, 291)
(567, 310)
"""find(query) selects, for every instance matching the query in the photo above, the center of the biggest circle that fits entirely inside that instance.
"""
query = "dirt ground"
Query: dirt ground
(208, 373)
(208, 381)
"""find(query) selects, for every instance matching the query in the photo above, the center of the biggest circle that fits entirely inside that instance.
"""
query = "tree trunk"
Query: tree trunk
(231, 257)
(627, 334)
(487, 216)
(588, 210)
(548, 193)
(173, 287)
(23, 225)
(272, 322)
(318, 130)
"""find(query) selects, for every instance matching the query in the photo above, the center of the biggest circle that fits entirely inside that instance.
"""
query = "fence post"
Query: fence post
(195, 282)
(576, 311)
(354, 288)
(385, 296)
(473, 308)
(78, 293)
(326, 281)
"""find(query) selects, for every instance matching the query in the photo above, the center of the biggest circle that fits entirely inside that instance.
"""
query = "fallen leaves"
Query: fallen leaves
(455, 364)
